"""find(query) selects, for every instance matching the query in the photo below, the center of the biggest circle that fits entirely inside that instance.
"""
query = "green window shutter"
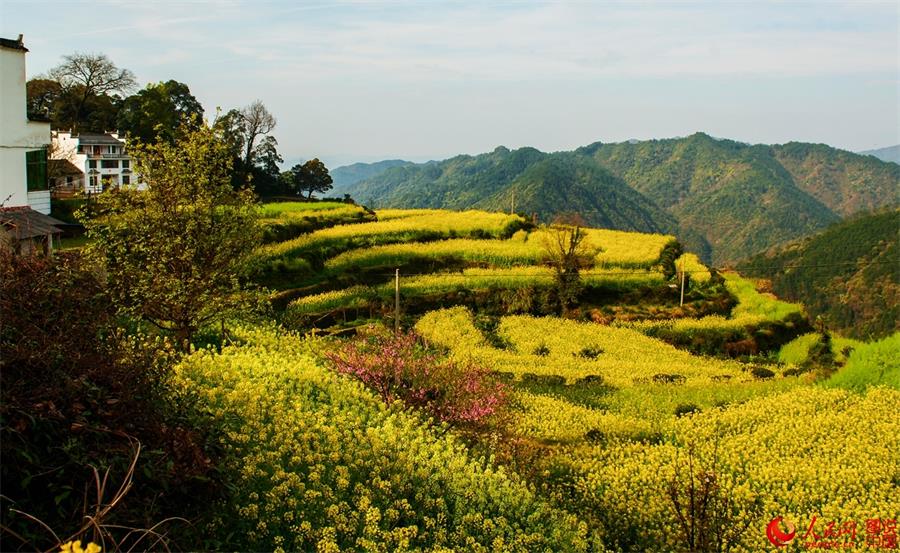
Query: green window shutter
(36, 170)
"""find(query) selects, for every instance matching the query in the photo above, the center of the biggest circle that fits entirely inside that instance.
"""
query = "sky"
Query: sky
(364, 81)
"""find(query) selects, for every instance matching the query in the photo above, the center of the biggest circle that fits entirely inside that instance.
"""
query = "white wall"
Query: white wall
(17, 134)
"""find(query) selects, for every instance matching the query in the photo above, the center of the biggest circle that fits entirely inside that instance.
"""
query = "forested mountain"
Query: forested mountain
(527, 180)
(725, 199)
(849, 274)
(891, 153)
(347, 175)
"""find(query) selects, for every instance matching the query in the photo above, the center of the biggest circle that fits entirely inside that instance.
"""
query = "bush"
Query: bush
(762, 373)
(686, 409)
(543, 379)
(589, 352)
(663, 378)
(399, 368)
(79, 393)
(591, 380)
(542, 350)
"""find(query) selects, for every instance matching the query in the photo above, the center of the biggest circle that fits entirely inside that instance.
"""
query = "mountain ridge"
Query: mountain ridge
(696, 187)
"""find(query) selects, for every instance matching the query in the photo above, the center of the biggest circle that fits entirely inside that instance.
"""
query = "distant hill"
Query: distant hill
(527, 180)
(891, 153)
(348, 175)
(849, 274)
(725, 199)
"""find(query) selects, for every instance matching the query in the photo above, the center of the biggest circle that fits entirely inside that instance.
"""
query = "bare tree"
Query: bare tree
(82, 76)
(567, 252)
(257, 122)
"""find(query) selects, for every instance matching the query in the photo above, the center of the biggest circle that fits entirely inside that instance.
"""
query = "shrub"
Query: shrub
(663, 378)
(542, 350)
(589, 352)
(762, 373)
(544, 379)
(686, 409)
(78, 394)
(399, 368)
(591, 380)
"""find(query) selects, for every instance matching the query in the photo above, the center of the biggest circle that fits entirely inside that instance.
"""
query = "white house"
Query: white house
(90, 162)
(23, 142)
(25, 224)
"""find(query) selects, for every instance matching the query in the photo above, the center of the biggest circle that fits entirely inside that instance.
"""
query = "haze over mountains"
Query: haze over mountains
(724, 199)
(891, 153)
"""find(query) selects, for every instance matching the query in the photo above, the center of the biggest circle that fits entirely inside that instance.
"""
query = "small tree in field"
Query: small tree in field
(174, 253)
(566, 251)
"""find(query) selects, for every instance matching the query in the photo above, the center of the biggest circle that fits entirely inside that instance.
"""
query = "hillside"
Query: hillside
(347, 175)
(695, 187)
(847, 274)
(526, 180)
(891, 153)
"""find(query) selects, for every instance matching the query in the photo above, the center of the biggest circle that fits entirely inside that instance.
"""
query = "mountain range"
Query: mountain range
(725, 200)
(848, 274)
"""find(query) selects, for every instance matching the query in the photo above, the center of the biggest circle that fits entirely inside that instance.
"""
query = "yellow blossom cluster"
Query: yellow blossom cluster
(469, 281)
(695, 270)
(314, 461)
(75, 547)
(570, 349)
(431, 225)
(804, 453)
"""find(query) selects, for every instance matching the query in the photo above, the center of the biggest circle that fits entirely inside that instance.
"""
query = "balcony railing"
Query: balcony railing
(92, 155)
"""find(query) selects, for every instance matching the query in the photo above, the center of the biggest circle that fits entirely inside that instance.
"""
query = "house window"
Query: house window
(36, 170)
(80, 149)
(94, 181)
(126, 179)
(126, 164)
(69, 180)
(92, 164)
(109, 164)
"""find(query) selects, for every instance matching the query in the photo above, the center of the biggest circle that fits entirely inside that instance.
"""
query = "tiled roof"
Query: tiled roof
(28, 223)
(13, 44)
(92, 138)
(62, 168)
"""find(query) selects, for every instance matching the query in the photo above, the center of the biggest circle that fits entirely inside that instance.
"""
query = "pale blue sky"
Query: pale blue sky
(363, 81)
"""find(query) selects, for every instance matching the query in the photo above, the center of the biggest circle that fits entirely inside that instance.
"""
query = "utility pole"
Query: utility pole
(397, 302)
(682, 285)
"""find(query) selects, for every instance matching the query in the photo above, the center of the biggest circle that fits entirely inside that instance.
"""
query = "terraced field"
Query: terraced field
(611, 422)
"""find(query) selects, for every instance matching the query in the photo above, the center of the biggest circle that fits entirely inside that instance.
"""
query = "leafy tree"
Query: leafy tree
(83, 77)
(312, 177)
(158, 111)
(175, 253)
(265, 171)
(42, 97)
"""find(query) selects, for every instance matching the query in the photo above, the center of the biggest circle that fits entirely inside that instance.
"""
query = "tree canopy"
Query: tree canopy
(174, 254)
(159, 111)
(86, 77)
(310, 177)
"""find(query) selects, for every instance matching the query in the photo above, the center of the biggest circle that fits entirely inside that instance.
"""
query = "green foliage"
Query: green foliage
(309, 177)
(174, 253)
(159, 111)
(77, 392)
(872, 364)
(835, 273)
